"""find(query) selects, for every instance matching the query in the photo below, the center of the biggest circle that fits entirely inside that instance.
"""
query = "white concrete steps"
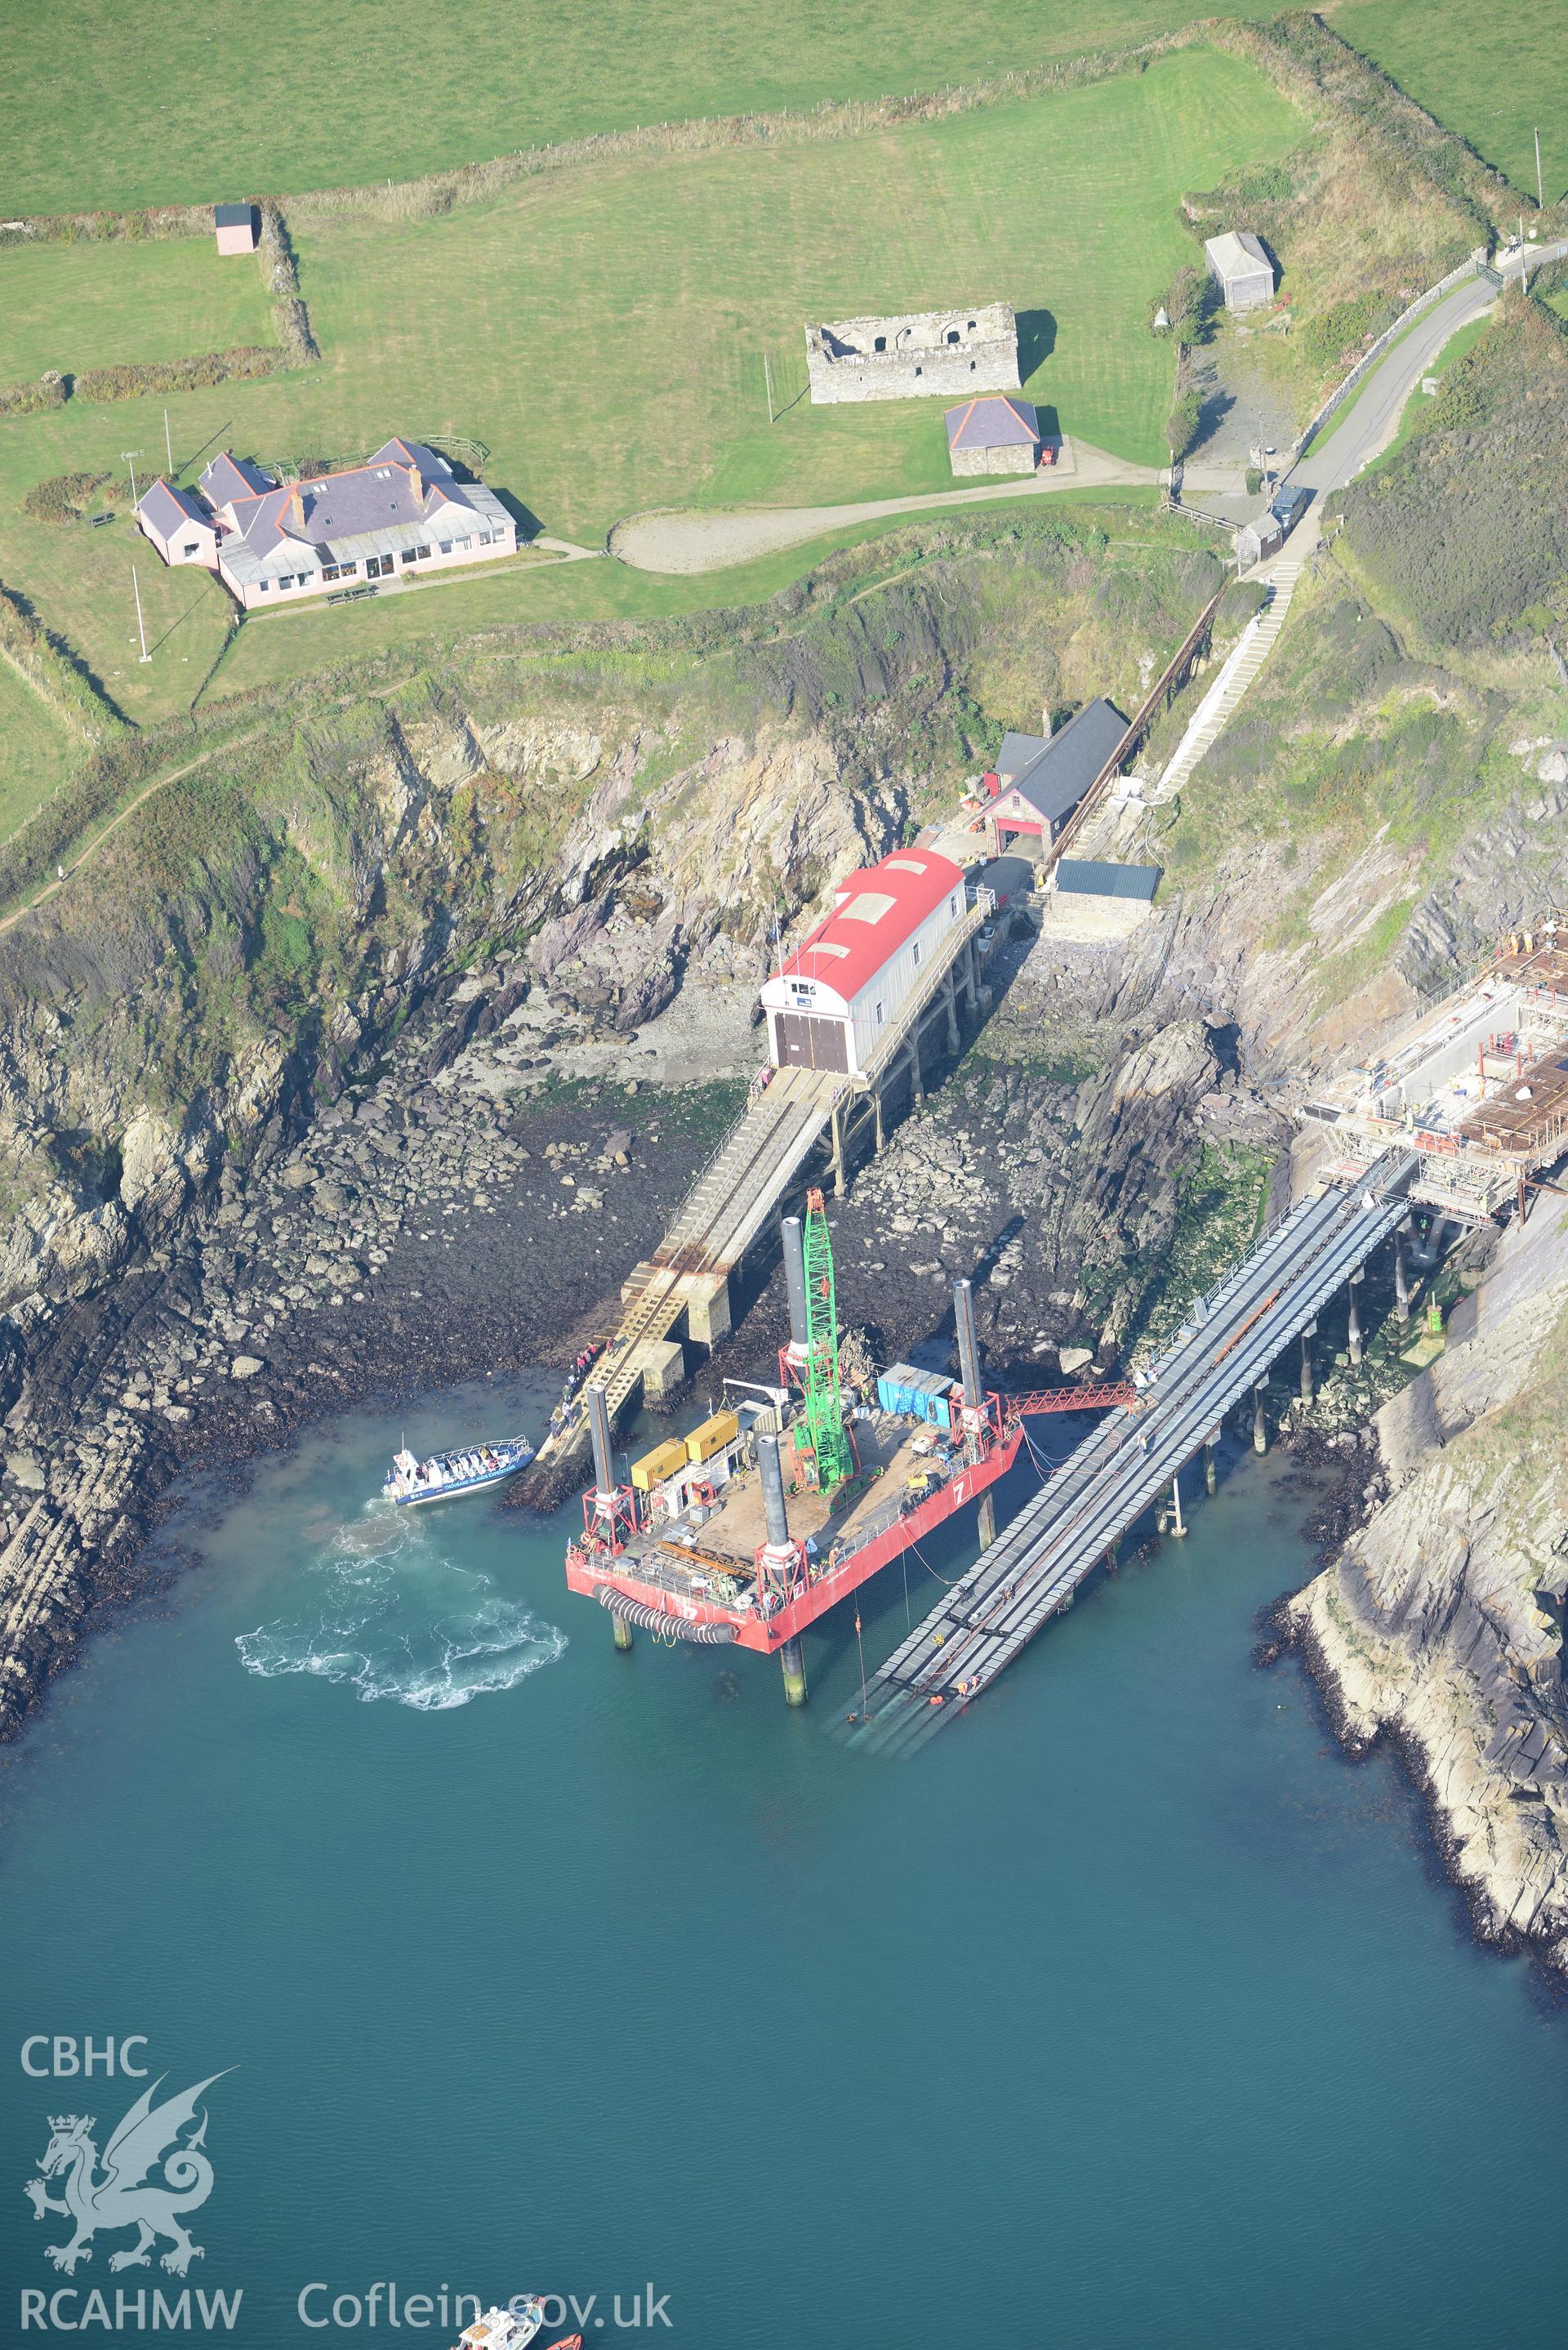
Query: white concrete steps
(1228, 691)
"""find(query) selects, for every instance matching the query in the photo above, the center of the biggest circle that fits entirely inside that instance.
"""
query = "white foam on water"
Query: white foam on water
(398, 1619)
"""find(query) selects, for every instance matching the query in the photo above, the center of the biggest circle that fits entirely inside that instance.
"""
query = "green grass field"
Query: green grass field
(270, 650)
(111, 107)
(90, 305)
(603, 330)
(681, 271)
(35, 750)
(1491, 73)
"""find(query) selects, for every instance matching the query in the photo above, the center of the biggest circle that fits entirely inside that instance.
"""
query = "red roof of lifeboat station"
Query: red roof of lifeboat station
(875, 911)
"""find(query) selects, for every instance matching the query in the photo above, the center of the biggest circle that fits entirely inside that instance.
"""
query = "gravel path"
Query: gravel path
(681, 540)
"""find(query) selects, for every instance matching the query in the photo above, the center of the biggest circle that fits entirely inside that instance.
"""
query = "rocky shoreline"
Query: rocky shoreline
(487, 1178)
(474, 1198)
(415, 1236)
(1436, 1622)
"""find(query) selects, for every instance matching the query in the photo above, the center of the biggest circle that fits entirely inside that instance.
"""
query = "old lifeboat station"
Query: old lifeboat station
(855, 1015)
(837, 998)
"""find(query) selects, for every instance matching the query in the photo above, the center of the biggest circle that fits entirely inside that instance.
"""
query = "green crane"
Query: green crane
(823, 1434)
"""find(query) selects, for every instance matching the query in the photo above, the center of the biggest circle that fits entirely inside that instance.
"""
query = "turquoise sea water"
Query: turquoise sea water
(1127, 2013)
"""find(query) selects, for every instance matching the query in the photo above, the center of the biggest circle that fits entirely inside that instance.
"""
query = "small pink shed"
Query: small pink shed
(236, 227)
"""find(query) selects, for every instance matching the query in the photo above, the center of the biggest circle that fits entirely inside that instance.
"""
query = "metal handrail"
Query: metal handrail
(1130, 741)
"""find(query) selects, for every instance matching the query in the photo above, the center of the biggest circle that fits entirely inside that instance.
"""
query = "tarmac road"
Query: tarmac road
(1341, 451)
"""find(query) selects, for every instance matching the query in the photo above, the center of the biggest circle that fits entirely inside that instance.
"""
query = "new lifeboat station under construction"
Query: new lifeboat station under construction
(747, 1530)
(1476, 1084)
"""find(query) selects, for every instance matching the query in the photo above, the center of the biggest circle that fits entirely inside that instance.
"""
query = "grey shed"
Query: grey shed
(1241, 268)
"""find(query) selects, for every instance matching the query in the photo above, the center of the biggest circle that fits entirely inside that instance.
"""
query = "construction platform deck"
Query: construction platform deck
(705, 1575)
(1477, 1084)
(1224, 1348)
(891, 1452)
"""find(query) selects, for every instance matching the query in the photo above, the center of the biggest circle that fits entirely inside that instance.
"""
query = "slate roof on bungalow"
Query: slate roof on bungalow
(376, 508)
(232, 477)
(166, 509)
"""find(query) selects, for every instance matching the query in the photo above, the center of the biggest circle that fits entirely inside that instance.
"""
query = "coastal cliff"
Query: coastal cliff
(309, 1079)
(376, 1054)
(1440, 1623)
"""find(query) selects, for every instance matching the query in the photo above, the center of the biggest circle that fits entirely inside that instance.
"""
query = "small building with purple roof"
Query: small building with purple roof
(993, 434)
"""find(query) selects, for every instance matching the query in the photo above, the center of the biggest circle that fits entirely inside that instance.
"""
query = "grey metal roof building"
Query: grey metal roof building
(1092, 876)
(237, 226)
(1060, 772)
(1241, 268)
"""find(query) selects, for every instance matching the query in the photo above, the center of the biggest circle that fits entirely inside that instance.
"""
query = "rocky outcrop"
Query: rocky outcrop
(62, 1558)
(61, 1245)
(1055, 1164)
(411, 1236)
(251, 974)
(1440, 1622)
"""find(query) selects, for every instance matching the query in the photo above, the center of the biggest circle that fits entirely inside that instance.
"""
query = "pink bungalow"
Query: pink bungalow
(269, 542)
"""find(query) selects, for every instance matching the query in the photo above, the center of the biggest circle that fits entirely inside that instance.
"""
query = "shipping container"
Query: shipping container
(896, 1386)
(656, 1466)
(929, 1398)
(713, 1436)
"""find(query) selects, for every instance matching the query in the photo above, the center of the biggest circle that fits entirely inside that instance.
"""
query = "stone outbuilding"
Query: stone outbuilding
(238, 229)
(993, 435)
(1241, 269)
(952, 352)
(1039, 780)
(1258, 539)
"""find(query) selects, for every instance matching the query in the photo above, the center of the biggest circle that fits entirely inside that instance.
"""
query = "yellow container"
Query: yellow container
(656, 1466)
(713, 1436)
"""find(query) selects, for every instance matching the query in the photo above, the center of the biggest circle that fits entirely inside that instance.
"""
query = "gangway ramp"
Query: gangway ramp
(722, 1213)
(1224, 1348)
(749, 1176)
(728, 1204)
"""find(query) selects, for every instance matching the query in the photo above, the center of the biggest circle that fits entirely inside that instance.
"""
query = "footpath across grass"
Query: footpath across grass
(271, 651)
(1492, 75)
(202, 100)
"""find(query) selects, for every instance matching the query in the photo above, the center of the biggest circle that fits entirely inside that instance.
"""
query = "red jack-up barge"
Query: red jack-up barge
(775, 1509)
